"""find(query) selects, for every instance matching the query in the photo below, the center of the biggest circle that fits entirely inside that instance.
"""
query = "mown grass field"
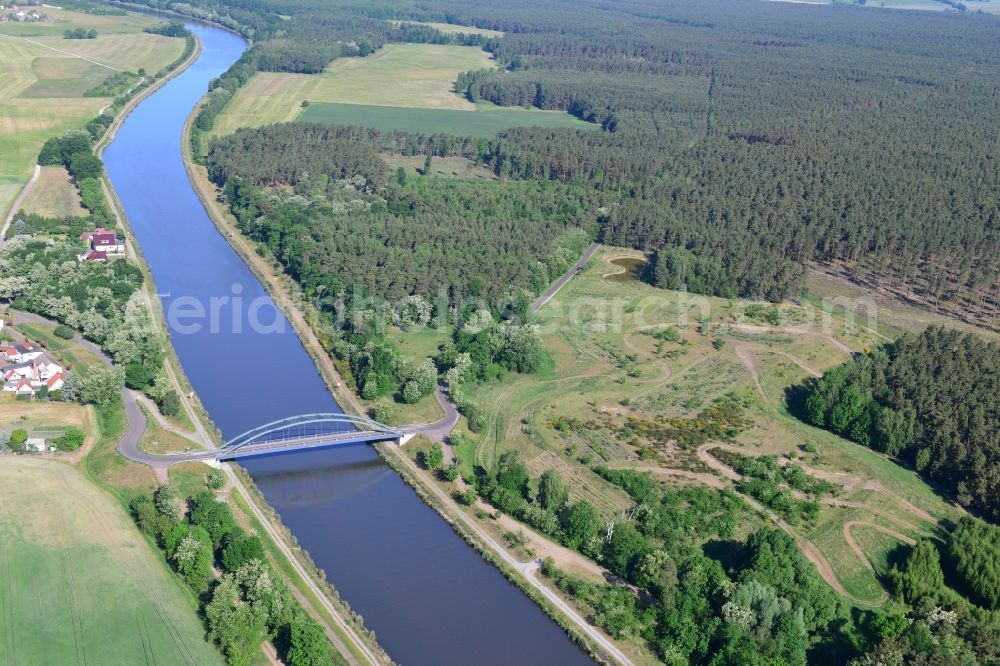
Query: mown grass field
(407, 75)
(484, 121)
(54, 195)
(43, 78)
(77, 582)
(606, 367)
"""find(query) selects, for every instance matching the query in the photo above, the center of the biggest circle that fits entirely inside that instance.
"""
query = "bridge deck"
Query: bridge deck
(303, 443)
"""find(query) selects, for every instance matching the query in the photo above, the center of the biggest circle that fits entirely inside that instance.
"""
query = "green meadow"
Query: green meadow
(483, 122)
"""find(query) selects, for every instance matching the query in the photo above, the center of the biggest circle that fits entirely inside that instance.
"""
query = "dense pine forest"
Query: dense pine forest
(757, 136)
(348, 229)
(928, 400)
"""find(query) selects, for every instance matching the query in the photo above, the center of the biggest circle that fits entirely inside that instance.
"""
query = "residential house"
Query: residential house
(25, 370)
(20, 353)
(103, 243)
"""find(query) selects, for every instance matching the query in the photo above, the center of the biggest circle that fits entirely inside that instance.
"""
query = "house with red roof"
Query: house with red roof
(27, 377)
(55, 382)
(103, 243)
(21, 353)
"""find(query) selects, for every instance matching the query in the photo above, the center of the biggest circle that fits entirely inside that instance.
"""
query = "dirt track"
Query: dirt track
(806, 547)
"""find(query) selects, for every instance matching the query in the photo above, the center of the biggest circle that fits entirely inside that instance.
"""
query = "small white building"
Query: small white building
(36, 444)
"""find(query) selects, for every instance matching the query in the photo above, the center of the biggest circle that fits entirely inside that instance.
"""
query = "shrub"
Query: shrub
(63, 331)
(139, 376)
(70, 440)
(169, 403)
(215, 479)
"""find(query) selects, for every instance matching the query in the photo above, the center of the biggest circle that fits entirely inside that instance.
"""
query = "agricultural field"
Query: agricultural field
(43, 78)
(401, 86)
(397, 75)
(64, 546)
(627, 358)
(934, 5)
(986, 6)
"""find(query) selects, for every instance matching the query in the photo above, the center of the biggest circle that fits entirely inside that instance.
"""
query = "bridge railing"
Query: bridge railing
(308, 425)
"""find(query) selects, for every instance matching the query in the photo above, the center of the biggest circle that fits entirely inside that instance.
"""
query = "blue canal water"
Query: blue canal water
(429, 597)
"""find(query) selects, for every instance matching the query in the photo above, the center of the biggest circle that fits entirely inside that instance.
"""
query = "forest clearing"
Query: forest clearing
(612, 369)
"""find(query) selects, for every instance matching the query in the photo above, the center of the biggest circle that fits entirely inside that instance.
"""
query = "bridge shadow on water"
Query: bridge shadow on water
(331, 482)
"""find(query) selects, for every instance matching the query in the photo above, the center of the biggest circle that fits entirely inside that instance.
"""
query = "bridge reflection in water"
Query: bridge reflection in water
(307, 431)
(299, 487)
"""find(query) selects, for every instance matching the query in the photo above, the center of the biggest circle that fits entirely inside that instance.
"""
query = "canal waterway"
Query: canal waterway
(428, 596)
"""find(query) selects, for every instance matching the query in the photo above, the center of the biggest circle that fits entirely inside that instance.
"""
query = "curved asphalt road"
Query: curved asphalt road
(128, 446)
(440, 429)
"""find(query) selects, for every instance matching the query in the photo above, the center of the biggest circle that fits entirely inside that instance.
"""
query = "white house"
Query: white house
(55, 382)
(21, 353)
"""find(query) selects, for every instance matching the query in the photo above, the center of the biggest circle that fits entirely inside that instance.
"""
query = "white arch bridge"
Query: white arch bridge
(302, 432)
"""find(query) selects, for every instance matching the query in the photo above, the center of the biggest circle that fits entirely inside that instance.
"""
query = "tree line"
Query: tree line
(927, 400)
(80, 33)
(247, 602)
